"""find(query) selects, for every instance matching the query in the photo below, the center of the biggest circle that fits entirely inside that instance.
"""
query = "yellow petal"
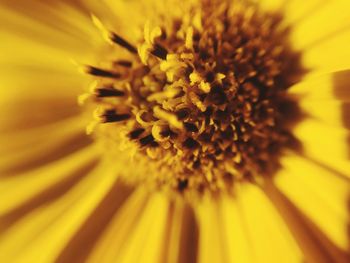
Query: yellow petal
(323, 87)
(59, 26)
(323, 34)
(270, 5)
(334, 113)
(295, 11)
(212, 244)
(145, 242)
(116, 16)
(136, 232)
(271, 240)
(325, 144)
(329, 54)
(316, 246)
(181, 238)
(235, 233)
(30, 148)
(110, 243)
(20, 189)
(326, 18)
(320, 194)
(28, 239)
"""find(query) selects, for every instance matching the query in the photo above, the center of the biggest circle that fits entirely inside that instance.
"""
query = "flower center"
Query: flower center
(203, 97)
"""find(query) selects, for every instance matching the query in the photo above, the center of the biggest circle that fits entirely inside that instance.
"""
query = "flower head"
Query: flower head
(205, 100)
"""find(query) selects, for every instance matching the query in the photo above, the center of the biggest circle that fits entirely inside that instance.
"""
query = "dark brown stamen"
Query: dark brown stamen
(190, 143)
(101, 72)
(111, 116)
(159, 51)
(123, 43)
(123, 63)
(136, 133)
(109, 92)
(147, 140)
(190, 127)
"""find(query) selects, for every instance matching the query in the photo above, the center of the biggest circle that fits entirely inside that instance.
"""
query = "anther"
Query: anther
(108, 92)
(112, 116)
(147, 140)
(190, 127)
(122, 42)
(101, 72)
(136, 133)
(123, 63)
(159, 51)
(190, 143)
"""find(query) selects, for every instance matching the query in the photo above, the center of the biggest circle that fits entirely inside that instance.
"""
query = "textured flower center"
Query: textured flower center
(203, 97)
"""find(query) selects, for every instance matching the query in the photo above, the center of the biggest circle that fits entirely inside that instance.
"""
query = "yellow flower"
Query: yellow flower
(198, 131)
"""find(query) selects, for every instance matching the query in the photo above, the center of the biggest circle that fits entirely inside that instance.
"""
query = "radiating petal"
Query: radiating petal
(145, 241)
(322, 36)
(57, 25)
(28, 239)
(112, 239)
(43, 41)
(296, 11)
(325, 97)
(136, 232)
(320, 23)
(332, 86)
(32, 148)
(320, 194)
(81, 245)
(314, 244)
(325, 144)
(212, 243)
(271, 5)
(235, 232)
(244, 229)
(334, 113)
(329, 54)
(19, 190)
(181, 236)
(270, 238)
(116, 16)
